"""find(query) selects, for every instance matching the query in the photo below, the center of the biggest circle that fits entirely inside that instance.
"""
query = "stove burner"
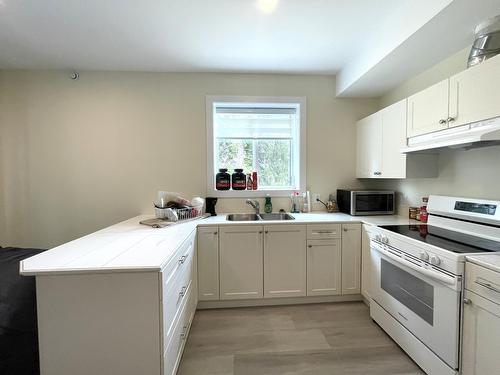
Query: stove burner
(444, 238)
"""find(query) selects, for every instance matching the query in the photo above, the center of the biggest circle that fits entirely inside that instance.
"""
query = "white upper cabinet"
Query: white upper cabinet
(393, 140)
(380, 138)
(241, 259)
(284, 261)
(474, 94)
(369, 146)
(428, 110)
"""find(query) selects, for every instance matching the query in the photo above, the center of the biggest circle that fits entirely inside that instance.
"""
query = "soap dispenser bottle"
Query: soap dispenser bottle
(268, 206)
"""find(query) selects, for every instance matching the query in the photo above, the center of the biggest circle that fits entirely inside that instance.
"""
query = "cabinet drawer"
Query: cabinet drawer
(174, 294)
(185, 250)
(175, 288)
(323, 231)
(173, 351)
(483, 281)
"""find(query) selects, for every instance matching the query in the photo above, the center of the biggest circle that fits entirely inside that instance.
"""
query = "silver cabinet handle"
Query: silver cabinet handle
(309, 246)
(450, 119)
(182, 259)
(345, 229)
(377, 173)
(216, 233)
(487, 286)
(182, 293)
(467, 301)
(325, 231)
(266, 232)
(183, 333)
(441, 122)
(260, 232)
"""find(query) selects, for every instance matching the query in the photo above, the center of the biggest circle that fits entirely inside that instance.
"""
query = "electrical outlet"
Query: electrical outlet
(317, 197)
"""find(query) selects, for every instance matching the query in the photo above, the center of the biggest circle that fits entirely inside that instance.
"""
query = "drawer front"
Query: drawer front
(323, 231)
(174, 295)
(176, 287)
(182, 324)
(179, 258)
(483, 281)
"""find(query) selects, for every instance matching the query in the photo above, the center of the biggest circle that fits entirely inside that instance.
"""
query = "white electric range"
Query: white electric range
(417, 273)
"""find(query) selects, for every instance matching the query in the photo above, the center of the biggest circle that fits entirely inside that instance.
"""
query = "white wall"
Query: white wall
(473, 173)
(78, 156)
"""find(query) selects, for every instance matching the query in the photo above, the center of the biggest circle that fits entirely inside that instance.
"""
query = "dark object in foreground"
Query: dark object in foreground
(18, 325)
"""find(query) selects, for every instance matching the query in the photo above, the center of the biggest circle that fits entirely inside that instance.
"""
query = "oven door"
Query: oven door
(372, 203)
(424, 300)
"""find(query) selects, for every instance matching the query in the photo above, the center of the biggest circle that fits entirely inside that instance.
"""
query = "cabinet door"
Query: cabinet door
(369, 146)
(351, 258)
(241, 262)
(474, 94)
(208, 263)
(285, 261)
(480, 336)
(365, 261)
(393, 140)
(428, 110)
(324, 267)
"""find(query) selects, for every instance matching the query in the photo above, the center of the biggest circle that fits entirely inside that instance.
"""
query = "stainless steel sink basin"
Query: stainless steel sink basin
(243, 217)
(277, 216)
(255, 217)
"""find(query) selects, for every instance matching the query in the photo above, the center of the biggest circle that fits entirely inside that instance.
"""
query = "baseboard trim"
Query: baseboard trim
(202, 305)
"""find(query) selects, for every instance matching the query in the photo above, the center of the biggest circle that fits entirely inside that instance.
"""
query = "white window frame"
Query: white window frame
(211, 100)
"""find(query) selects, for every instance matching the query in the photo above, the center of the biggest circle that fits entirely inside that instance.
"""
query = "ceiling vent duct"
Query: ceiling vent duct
(486, 42)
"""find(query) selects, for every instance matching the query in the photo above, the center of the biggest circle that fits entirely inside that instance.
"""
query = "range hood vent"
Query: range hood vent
(486, 41)
(478, 134)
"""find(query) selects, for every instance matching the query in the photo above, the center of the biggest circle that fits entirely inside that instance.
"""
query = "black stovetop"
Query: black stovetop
(446, 239)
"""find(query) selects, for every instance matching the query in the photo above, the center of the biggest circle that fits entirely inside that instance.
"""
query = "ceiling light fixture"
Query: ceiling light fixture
(267, 6)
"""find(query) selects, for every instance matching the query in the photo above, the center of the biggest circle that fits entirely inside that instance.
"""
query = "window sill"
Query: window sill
(249, 193)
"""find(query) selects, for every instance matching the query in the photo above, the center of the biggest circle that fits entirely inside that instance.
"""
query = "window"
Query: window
(263, 134)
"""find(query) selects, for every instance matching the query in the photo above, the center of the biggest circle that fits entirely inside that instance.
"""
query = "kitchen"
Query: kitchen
(91, 134)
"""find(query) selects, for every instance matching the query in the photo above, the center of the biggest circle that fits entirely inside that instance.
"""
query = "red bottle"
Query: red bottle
(254, 181)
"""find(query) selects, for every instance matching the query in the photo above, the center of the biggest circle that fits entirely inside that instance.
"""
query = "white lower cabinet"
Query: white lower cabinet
(481, 321)
(324, 267)
(208, 263)
(125, 323)
(351, 259)
(284, 261)
(365, 261)
(481, 344)
(241, 262)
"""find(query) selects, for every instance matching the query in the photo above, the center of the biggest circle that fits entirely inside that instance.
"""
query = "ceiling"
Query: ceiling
(345, 37)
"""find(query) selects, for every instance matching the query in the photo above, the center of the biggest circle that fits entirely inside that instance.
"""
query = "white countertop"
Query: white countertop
(130, 246)
(491, 261)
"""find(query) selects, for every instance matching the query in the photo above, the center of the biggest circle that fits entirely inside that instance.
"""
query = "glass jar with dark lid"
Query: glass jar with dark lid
(239, 180)
(223, 180)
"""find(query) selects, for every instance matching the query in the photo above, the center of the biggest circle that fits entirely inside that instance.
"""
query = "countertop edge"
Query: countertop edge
(218, 220)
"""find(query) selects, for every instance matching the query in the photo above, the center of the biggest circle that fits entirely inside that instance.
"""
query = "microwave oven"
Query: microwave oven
(365, 202)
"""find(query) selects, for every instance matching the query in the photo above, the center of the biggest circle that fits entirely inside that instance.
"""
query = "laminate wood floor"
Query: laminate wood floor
(331, 338)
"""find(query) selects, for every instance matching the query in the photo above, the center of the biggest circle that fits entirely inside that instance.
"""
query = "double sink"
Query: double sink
(259, 217)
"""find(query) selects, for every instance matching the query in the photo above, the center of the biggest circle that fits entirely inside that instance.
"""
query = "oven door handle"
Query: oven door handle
(431, 274)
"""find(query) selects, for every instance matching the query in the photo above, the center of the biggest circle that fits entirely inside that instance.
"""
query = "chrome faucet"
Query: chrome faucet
(254, 204)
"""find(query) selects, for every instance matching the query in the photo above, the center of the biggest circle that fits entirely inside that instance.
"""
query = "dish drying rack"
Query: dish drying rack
(178, 214)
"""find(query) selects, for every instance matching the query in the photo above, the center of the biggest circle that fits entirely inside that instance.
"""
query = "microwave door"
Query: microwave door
(372, 204)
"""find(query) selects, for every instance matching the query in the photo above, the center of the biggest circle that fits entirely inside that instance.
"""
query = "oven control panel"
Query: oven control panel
(429, 255)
